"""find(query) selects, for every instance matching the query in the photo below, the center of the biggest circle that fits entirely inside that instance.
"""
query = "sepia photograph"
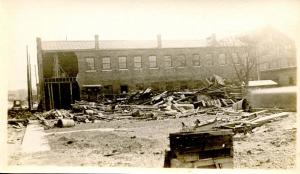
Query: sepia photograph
(195, 84)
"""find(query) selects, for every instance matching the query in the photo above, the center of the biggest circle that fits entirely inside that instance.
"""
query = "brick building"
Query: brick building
(73, 70)
(277, 56)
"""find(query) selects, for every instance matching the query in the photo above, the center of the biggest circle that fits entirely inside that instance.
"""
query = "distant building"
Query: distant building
(73, 70)
(277, 56)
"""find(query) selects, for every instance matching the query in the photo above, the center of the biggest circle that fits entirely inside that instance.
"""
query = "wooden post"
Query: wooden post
(42, 98)
(50, 105)
(29, 81)
(59, 95)
(52, 100)
(55, 65)
(71, 92)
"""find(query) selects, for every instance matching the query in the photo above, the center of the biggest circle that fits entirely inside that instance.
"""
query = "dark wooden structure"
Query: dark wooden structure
(200, 149)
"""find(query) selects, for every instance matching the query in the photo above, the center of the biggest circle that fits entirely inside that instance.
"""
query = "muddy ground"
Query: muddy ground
(140, 143)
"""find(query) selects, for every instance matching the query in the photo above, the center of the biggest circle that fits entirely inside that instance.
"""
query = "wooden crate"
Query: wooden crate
(200, 149)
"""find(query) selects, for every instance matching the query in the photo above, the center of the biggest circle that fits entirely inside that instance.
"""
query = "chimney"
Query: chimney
(158, 37)
(96, 42)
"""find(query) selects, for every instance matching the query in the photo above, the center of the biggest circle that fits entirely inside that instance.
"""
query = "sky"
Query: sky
(24, 20)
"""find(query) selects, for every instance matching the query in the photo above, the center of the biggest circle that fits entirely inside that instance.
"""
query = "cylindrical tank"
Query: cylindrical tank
(241, 105)
(65, 123)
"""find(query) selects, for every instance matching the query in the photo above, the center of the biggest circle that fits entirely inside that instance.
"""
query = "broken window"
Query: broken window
(263, 66)
(152, 62)
(222, 59)
(137, 61)
(106, 63)
(196, 60)
(209, 59)
(124, 89)
(108, 89)
(122, 62)
(244, 57)
(168, 61)
(90, 62)
(181, 60)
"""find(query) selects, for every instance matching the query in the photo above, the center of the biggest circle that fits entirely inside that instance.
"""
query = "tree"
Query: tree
(241, 54)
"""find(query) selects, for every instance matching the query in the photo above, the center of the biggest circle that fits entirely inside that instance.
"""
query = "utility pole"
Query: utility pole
(29, 81)
(36, 84)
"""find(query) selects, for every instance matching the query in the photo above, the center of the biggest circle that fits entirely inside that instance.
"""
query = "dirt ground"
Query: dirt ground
(139, 143)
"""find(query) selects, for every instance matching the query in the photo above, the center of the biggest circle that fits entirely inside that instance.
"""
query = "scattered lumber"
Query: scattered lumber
(269, 118)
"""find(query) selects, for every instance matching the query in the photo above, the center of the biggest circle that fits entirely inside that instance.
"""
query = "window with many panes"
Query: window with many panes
(235, 58)
(137, 61)
(106, 63)
(263, 66)
(168, 61)
(196, 60)
(209, 59)
(90, 63)
(122, 62)
(244, 57)
(181, 60)
(152, 61)
(222, 59)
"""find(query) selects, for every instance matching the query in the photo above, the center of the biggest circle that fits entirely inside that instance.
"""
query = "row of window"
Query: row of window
(169, 61)
(277, 63)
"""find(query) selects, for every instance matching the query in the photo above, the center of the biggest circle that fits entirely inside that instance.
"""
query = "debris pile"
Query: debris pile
(216, 98)
(212, 99)
(243, 123)
(19, 114)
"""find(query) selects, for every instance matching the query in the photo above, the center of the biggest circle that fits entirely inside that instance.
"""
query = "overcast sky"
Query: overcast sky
(24, 20)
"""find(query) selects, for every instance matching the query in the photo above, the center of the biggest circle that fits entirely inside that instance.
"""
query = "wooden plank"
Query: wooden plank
(210, 132)
(71, 92)
(187, 157)
(177, 163)
(203, 143)
(254, 114)
(214, 161)
(266, 119)
(52, 100)
(49, 96)
(59, 95)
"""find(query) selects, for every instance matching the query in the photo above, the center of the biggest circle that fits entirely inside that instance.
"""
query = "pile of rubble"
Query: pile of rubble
(244, 122)
(212, 99)
(217, 99)
(18, 118)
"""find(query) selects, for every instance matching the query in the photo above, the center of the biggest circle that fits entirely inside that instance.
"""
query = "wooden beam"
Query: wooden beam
(71, 92)
(59, 95)
(50, 104)
(52, 100)
(266, 119)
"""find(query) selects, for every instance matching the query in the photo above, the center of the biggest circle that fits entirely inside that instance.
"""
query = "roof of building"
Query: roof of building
(276, 90)
(258, 83)
(120, 44)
